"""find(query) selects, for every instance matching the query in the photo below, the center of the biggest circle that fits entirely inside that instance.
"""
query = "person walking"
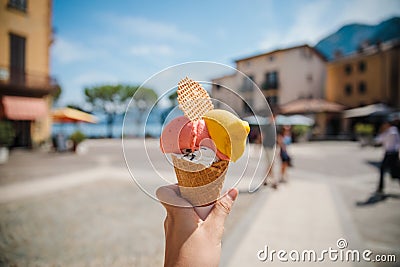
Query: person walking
(390, 139)
(268, 137)
(283, 141)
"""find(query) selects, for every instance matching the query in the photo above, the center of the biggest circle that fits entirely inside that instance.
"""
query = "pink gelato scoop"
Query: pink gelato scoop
(181, 133)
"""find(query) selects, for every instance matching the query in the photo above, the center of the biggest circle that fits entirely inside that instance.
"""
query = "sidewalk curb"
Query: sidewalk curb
(231, 243)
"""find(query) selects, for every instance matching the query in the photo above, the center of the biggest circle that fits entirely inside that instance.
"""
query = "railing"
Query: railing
(268, 85)
(18, 78)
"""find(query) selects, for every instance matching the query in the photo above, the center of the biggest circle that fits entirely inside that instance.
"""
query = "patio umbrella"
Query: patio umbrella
(256, 120)
(301, 120)
(367, 111)
(293, 120)
(66, 115)
(282, 120)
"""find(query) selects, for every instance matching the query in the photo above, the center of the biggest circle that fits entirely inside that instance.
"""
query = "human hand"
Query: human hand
(190, 241)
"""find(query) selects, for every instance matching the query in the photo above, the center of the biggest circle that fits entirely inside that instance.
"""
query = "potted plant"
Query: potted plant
(7, 135)
(77, 137)
(300, 132)
(364, 133)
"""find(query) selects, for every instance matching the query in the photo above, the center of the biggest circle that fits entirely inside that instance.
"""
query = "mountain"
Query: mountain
(351, 37)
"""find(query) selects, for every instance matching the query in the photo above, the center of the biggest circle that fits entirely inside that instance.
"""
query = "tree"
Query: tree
(112, 100)
(77, 107)
(173, 98)
(56, 93)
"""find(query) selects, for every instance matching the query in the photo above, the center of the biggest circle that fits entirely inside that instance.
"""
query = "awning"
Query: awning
(65, 115)
(24, 108)
(294, 120)
(256, 120)
(370, 110)
(302, 106)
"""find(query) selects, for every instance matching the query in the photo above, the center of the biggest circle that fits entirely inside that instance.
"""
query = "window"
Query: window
(362, 88)
(348, 89)
(271, 81)
(18, 4)
(348, 69)
(362, 66)
(271, 58)
(17, 59)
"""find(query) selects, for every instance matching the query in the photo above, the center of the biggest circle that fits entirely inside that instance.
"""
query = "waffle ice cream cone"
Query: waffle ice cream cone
(193, 99)
(199, 185)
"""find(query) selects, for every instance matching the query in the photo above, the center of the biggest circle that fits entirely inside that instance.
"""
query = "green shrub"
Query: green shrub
(7, 133)
(300, 130)
(77, 137)
(364, 129)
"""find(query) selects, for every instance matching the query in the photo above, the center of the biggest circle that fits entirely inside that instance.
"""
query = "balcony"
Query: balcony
(267, 85)
(19, 83)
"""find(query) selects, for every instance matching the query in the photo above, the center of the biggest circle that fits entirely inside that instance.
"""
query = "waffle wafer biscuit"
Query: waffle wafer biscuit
(193, 99)
(200, 186)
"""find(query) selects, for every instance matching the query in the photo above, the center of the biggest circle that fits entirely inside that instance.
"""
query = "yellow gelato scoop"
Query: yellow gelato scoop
(228, 132)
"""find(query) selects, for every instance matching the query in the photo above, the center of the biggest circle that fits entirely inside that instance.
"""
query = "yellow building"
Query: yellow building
(367, 77)
(25, 84)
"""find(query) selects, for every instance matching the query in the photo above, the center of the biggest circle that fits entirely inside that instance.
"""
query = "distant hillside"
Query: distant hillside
(350, 37)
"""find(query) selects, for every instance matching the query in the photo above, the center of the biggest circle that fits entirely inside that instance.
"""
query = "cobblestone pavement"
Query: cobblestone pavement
(25, 165)
(109, 221)
(104, 221)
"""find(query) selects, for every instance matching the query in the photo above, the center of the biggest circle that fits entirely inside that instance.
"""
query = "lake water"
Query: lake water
(136, 124)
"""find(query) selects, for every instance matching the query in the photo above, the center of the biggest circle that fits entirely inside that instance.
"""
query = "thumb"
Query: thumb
(222, 208)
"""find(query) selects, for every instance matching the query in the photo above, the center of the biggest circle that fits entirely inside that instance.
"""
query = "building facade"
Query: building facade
(224, 92)
(367, 77)
(26, 87)
(282, 75)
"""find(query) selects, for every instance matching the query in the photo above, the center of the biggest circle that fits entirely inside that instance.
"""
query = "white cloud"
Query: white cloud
(306, 27)
(317, 19)
(151, 29)
(151, 49)
(66, 51)
(369, 11)
(271, 41)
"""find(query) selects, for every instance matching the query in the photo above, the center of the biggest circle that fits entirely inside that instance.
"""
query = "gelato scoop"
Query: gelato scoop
(181, 134)
(228, 132)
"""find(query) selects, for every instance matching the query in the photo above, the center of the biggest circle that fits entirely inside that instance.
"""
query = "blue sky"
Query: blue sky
(104, 41)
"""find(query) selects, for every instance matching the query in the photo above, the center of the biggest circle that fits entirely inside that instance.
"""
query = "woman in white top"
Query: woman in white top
(390, 139)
